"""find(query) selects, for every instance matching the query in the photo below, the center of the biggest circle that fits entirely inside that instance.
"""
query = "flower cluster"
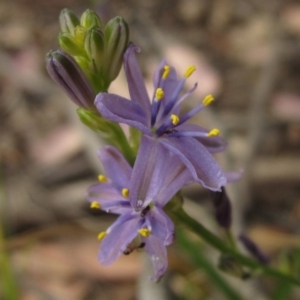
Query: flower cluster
(163, 153)
(138, 195)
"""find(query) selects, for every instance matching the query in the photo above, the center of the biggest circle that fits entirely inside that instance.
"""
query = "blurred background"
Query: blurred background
(247, 54)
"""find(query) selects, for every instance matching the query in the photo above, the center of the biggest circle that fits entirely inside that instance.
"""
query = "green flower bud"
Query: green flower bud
(94, 46)
(92, 120)
(116, 39)
(68, 21)
(89, 18)
(69, 44)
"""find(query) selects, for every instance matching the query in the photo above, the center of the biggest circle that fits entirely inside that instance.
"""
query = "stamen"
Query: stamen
(95, 205)
(125, 193)
(189, 71)
(102, 235)
(145, 232)
(166, 72)
(175, 119)
(214, 132)
(159, 94)
(102, 178)
(208, 100)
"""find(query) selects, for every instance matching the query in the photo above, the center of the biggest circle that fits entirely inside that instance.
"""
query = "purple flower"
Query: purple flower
(160, 119)
(138, 196)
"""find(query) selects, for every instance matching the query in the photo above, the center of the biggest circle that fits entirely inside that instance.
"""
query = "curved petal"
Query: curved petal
(157, 174)
(109, 198)
(198, 160)
(157, 252)
(119, 235)
(172, 176)
(136, 85)
(212, 144)
(116, 167)
(143, 173)
(161, 225)
(121, 110)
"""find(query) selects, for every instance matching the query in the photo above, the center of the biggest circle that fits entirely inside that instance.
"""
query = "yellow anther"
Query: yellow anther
(144, 232)
(189, 71)
(95, 205)
(102, 235)
(125, 193)
(175, 119)
(166, 72)
(102, 178)
(214, 132)
(208, 100)
(159, 94)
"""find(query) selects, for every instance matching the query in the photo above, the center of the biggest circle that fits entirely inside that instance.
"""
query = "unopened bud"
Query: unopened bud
(68, 21)
(92, 119)
(94, 45)
(89, 19)
(222, 208)
(254, 249)
(64, 70)
(69, 44)
(116, 38)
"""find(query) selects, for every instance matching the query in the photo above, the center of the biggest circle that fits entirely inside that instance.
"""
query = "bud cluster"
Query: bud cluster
(97, 49)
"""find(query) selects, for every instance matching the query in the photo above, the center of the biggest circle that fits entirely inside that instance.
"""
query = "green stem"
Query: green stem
(230, 239)
(218, 244)
(202, 262)
(122, 142)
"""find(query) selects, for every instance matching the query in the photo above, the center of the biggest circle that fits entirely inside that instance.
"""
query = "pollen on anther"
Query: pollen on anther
(166, 72)
(208, 100)
(145, 232)
(189, 71)
(102, 178)
(159, 94)
(175, 119)
(102, 235)
(95, 205)
(125, 193)
(213, 132)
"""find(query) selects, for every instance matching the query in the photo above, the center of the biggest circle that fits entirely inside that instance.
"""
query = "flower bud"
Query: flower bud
(64, 70)
(68, 21)
(89, 18)
(92, 119)
(254, 249)
(222, 208)
(94, 45)
(69, 44)
(116, 39)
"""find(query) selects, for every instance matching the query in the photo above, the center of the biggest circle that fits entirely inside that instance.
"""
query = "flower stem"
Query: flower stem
(198, 259)
(218, 244)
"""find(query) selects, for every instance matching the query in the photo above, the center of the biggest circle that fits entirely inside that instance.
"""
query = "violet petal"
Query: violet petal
(203, 167)
(137, 88)
(158, 254)
(119, 235)
(116, 167)
(121, 110)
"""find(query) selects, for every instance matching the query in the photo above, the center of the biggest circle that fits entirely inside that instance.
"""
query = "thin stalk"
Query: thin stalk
(202, 262)
(221, 246)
